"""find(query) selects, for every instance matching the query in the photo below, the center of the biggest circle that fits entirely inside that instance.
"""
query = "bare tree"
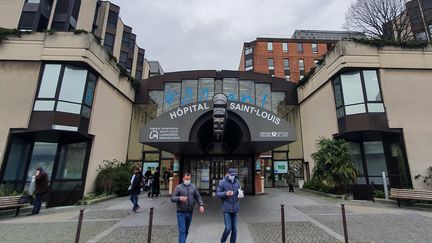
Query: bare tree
(382, 19)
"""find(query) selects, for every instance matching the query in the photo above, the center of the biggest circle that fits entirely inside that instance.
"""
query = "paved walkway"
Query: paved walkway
(309, 218)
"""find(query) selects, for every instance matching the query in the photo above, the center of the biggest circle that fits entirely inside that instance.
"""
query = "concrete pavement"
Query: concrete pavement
(308, 218)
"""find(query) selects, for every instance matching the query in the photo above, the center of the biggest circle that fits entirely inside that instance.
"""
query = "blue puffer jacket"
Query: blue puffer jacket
(229, 204)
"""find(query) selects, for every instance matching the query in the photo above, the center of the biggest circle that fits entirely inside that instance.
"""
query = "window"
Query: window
(123, 58)
(138, 75)
(285, 47)
(172, 96)
(76, 8)
(263, 95)
(76, 89)
(189, 92)
(358, 162)
(248, 50)
(112, 19)
(300, 47)
(316, 62)
(71, 161)
(26, 21)
(286, 64)
(301, 66)
(277, 99)
(270, 63)
(247, 92)
(109, 42)
(206, 89)
(125, 39)
(231, 88)
(270, 46)
(32, 1)
(287, 77)
(357, 92)
(157, 97)
(314, 48)
(375, 161)
(249, 64)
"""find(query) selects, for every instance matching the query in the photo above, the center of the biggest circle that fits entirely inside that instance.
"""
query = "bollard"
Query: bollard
(385, 185)
(283, 222)
(80, 219)
(344, 223)
(150, 226)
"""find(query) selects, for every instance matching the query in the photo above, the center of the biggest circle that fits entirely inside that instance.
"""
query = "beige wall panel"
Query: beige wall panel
(10, 13)
(408, 100)
(118, 39)
(110, 123)
(318, 117)
(138, 120)
(16, 78)
(86, 15)
(134, 62)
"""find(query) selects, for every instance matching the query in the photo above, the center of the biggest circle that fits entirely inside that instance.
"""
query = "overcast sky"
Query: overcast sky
(209, 34)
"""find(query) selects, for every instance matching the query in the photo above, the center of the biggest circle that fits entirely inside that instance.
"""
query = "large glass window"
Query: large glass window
(231, 88)
(189, 92)
(43, 156)
(77, 87)
(277, 100)
(157, 97)
(263, 96)
(172, 96)
(353, 93)
(375, 161)
(358, 162)
(17, 160)
(350, 96)
(247, 92)
(71, 161)
(49, 81)
(206, 89)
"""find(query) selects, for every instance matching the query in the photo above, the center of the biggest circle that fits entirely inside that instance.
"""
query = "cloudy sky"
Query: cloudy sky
(209, 34)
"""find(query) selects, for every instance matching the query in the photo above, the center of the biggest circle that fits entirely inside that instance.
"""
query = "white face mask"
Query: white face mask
(186, 182)
(231, 178)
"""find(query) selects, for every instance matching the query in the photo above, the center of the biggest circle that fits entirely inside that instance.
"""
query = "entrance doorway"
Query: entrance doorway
(206, 169)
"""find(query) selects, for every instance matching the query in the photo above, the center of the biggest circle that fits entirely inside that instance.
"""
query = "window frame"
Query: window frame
(314, 50)
(270, 47)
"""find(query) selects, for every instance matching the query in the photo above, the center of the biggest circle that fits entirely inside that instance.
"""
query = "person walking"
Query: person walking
(185, 195)
(291, 180)
(166, 176)
(41, 187)
(156, 183)
(228, 192)
(135, 188)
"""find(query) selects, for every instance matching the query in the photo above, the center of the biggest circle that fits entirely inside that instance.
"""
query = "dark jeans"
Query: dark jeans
(291, 187)
(134, 199)
(37, 203)
(184, 220)
(230, 226)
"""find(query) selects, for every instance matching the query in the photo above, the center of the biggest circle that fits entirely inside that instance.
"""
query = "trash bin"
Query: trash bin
(300, 183)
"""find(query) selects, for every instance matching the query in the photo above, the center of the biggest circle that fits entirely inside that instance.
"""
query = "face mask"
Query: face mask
(187, 183)
(231, 178)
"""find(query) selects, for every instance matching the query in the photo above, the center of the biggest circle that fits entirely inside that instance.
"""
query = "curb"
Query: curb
(343, 197)
(98, 200)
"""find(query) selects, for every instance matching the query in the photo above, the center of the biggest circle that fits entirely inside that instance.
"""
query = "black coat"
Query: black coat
(41, 182)
(136, 184)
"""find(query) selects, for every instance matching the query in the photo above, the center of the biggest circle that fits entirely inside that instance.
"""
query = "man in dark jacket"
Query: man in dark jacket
(185, 195)
(156, 183)
(41, 187)
(135, 188)
(228, 191)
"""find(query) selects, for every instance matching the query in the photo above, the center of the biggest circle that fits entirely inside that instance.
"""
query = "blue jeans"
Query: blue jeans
(134, 199)
(37, 203)
(184, 220)
(230, 227)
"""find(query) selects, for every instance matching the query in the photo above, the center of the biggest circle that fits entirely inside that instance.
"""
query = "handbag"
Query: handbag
(240, 193)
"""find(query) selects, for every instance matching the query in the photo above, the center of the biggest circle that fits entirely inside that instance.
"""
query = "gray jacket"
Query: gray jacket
(229, 204)
(192, 194)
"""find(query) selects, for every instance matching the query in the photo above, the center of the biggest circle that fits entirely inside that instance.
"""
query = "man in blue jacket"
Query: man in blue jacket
(228, 191)
(185, 195)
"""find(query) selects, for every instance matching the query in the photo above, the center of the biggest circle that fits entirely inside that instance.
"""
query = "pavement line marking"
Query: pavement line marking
(322, 226)
(104, 233)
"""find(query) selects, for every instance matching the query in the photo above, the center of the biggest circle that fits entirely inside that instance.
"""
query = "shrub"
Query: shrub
(379, 194)
(113, 178)
(317, 186)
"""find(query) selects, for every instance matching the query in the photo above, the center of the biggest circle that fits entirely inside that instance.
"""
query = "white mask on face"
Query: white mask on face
(231, 177)
(186, 182)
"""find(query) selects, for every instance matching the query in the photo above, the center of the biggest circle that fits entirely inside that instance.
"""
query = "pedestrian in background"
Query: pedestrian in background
(185, 195)
(291, 180)
(41, 187)
(135, 188)
(229, 191)
(156, 183)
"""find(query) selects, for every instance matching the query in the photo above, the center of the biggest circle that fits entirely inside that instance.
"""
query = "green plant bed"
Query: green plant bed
(91, 198)
(113, 178)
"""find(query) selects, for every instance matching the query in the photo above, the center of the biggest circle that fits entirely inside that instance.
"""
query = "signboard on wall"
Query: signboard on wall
(280, 167)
